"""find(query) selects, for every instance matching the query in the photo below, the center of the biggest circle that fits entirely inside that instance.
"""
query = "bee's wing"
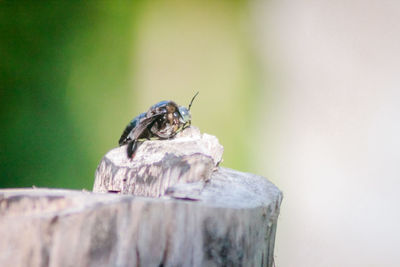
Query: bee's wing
(132, 124)
(135, 129)
(138, 130)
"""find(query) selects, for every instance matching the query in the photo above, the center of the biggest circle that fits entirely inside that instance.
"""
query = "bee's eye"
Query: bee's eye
(176, 114)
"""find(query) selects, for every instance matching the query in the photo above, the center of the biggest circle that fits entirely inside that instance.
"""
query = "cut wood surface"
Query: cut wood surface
(199, 214)
(158, 165)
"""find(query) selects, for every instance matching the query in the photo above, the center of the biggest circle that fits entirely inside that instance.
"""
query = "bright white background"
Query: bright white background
(333, 129)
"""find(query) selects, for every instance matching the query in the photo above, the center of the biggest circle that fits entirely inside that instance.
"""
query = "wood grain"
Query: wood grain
(174, 206)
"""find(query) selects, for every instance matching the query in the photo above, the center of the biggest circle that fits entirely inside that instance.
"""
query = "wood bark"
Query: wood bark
(189, 213)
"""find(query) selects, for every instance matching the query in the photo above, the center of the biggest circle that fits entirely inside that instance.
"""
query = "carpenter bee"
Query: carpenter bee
(162, 121)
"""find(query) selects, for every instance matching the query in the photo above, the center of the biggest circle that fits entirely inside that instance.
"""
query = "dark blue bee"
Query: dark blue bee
(162, 121)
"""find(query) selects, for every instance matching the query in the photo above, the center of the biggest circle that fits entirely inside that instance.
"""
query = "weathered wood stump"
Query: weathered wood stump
(198, 214)
(159, 165)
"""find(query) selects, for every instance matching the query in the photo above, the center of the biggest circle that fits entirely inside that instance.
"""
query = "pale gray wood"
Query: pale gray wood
(157, 165)
(204, 216)
(48, 227)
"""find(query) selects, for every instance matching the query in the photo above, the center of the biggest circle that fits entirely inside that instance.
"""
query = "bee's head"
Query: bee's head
(185, 115)
(186, 118)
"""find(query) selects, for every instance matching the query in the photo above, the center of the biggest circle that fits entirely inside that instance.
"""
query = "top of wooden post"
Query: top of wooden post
(185, 167)
(192, 213)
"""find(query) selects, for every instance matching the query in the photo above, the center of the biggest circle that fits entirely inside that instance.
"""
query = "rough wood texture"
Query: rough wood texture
(235, 213)
(203, 215)
(158, 165)
(44, 227)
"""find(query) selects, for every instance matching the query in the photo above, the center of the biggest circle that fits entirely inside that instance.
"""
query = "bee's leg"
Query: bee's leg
(131, 148)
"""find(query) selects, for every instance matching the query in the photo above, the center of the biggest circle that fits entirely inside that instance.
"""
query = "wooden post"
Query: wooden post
(198, 214)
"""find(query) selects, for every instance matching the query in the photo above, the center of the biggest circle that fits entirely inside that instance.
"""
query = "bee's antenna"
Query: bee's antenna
(191, 102)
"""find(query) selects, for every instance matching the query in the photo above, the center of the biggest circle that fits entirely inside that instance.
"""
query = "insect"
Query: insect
(162, 121)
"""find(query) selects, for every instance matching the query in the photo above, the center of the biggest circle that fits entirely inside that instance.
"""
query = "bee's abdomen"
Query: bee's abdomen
(124, 139)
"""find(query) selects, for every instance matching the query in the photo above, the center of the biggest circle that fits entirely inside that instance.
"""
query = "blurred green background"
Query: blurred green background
(74, 74)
